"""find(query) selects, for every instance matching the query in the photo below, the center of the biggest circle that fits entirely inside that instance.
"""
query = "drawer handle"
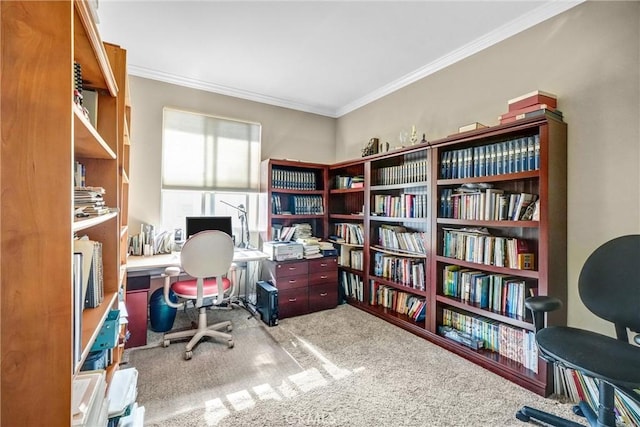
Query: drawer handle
(323, 277)
(292, 281)
(324, 294)
(323, 265)
(292, 268)
(292, 299)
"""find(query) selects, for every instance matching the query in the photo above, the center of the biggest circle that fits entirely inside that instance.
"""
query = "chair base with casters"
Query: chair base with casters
(202, 330)
(207, 258)
(609, 286)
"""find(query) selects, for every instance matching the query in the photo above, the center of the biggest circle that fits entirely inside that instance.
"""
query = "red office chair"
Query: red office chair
(206, 257)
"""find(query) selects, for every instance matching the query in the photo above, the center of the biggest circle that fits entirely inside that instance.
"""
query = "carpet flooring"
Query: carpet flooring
(339, 367)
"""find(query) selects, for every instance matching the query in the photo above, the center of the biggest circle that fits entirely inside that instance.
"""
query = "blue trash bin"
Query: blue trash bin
(160, 314)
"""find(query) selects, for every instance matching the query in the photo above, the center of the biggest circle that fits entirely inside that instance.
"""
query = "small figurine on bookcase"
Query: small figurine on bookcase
(414, 135)
(371, 148)
(424, 139)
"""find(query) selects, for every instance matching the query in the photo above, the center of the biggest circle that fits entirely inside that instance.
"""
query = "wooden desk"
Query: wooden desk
(140, 271)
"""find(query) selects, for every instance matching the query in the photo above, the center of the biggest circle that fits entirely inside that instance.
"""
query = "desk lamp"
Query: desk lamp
(244, 227)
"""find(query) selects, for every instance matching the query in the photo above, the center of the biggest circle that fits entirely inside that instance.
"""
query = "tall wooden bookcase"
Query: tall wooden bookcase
(43, 133)
(293, 192)
(396, 185)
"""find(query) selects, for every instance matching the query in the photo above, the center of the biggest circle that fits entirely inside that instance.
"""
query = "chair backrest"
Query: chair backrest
(609, 282)
(207, 254)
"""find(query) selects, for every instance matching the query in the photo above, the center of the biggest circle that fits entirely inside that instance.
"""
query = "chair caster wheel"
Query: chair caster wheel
(578, 411)
(188, 354)
(230, 343)
(522, 417)
(229, 328)
(166, 343)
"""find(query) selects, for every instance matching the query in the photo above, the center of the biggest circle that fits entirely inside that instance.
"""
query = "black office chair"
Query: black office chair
(609, 285)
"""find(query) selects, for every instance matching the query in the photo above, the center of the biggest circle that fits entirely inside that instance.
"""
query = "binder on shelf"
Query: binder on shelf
(77, 308)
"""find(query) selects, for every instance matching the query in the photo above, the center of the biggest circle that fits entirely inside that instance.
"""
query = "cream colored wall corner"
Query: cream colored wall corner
(590, 57)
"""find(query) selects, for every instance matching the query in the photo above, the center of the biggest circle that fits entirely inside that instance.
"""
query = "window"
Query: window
(210, 165)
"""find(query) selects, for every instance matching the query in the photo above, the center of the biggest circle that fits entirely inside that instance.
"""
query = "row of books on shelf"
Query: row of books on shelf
(298, 205)
(401, 302)
(413, 171)
(499, 293)
(349, 233)
(580, 387)
(402, 206)
(488, 205)
(409, 272)
(88, 287)
(91, 272)
(293, 179)
(478, 246)
(513, 343)
(398, 238)
(514, 155)
(351, 257)
(352, 285)
(344, 182)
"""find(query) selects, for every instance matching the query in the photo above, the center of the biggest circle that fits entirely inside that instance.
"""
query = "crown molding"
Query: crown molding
(224, 90)
(536, 16)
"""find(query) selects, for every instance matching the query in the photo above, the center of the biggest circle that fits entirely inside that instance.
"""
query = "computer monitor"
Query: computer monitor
(196, 224)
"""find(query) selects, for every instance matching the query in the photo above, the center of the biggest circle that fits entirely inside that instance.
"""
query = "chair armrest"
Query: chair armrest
(170, 272)
(543, 303)
(539, 306)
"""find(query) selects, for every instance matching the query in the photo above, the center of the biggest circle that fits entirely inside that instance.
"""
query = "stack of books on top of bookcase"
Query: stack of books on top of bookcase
(531, 104)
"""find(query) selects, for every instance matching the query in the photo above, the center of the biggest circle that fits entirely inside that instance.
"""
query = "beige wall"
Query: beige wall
(285, 134)
(590, 57)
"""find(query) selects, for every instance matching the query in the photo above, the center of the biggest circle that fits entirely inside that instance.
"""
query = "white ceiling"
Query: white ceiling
(324, 57)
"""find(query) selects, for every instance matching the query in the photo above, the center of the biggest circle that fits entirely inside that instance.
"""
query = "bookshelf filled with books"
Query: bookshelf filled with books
(294, 198)
(499, 235)
(346, 226)
(61, 297)
(397, 237)
(455, 234)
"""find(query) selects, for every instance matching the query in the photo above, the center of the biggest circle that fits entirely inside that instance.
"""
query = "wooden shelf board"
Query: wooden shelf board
(87, 141)
(398, 286)
(492, 224)
(92, 321)
(90, 53)
(491, 178)
(399, 186)
(353, 245)
(346, 190)
(379, 218)
(353, 217)
(398, 252)
(288, 191)
(513, 321)
(533, 274)
(84, 223)
(351, 270)
(281, 216)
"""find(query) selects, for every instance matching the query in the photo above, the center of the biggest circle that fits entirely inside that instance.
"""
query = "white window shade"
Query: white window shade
(207, 153)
